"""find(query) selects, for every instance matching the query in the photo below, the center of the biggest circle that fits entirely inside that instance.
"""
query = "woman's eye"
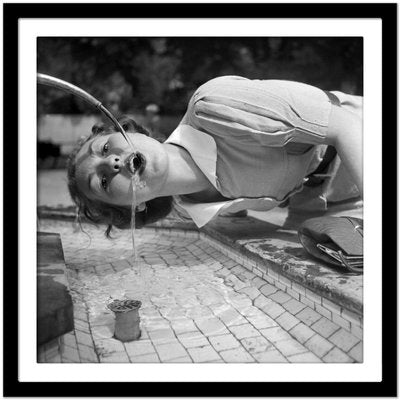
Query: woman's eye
(105, 148)
(104, 183)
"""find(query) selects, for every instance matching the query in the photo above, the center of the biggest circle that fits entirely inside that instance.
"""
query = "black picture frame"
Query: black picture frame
(12, 386)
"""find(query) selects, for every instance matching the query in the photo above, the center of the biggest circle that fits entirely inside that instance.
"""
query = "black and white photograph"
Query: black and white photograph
(200, 199)
(236, 182)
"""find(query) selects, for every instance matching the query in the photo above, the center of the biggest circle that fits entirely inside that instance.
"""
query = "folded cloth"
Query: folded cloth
(335, 240)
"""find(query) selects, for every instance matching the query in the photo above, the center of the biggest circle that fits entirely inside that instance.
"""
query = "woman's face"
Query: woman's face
(105, 165)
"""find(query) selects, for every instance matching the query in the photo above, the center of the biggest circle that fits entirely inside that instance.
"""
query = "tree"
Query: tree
(126, 74)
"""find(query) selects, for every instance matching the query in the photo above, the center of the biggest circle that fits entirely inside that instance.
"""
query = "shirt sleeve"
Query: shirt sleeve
(271, 112)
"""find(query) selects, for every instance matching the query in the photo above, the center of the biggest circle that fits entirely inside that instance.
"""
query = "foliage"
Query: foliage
(126, 74)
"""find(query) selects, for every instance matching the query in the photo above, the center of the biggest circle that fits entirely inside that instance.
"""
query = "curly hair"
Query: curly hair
(99, 212)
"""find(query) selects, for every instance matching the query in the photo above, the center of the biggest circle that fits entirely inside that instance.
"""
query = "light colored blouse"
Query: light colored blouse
(255, 140)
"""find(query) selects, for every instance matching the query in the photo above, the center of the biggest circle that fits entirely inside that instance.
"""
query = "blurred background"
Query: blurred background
(152, 79)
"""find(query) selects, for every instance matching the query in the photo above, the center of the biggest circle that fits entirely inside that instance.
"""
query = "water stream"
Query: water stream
(133, 218)
(136, 183)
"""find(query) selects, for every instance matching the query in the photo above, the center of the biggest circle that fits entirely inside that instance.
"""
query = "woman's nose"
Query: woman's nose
(114, 162)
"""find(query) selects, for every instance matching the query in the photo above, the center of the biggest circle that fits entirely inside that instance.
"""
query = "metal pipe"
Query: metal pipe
(70, 88)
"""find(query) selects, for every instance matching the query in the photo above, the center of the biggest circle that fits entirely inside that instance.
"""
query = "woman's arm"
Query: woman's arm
(276, 113)
(345, 133)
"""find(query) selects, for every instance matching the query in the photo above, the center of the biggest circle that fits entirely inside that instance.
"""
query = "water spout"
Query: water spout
(48, 80)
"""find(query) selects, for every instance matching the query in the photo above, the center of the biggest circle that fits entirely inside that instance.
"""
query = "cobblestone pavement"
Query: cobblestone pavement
(198, 305)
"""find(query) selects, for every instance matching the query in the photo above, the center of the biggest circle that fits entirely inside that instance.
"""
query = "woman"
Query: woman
(242, 144)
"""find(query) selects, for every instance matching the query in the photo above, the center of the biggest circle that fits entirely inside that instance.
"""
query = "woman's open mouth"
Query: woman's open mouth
(136, 163)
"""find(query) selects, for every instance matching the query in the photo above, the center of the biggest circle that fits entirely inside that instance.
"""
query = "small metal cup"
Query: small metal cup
(127, 320)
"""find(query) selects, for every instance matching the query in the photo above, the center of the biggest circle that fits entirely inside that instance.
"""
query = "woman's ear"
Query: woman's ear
(98, 128)
(129, 125)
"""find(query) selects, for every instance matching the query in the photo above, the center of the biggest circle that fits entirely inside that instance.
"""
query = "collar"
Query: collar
(203, 150)
(201, 147)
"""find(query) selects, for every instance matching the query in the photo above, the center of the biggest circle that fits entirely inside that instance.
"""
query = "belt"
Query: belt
(329, 155)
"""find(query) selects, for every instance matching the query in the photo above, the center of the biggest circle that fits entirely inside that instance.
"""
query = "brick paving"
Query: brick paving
(198, 305)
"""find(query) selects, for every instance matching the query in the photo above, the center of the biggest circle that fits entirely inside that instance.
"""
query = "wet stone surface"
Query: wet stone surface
(198, 305)
(280, 248)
